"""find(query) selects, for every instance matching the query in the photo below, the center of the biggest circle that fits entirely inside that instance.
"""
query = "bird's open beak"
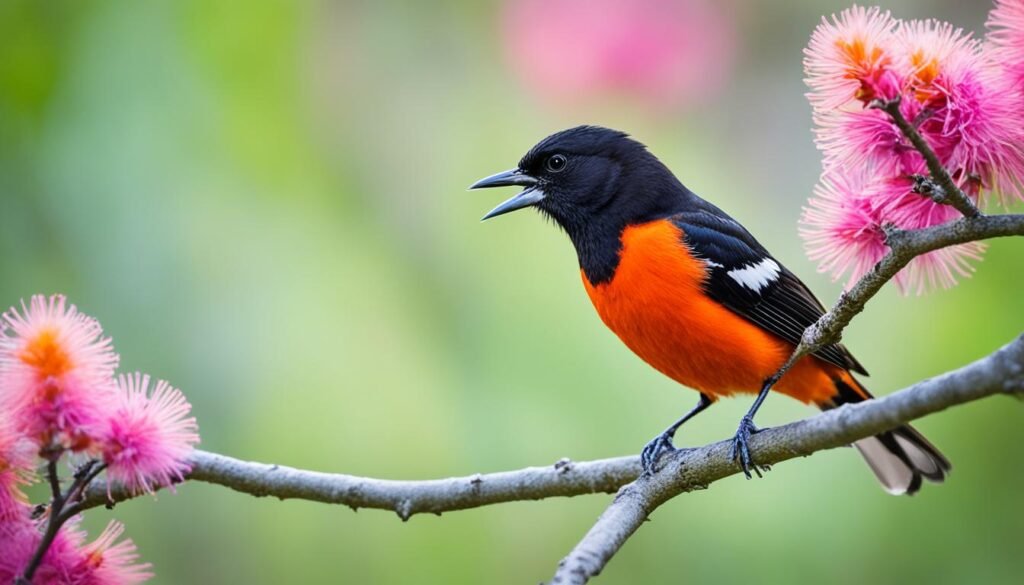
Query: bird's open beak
(530, 196)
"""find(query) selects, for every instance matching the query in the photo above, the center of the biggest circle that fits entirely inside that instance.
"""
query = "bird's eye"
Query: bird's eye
(555, 163)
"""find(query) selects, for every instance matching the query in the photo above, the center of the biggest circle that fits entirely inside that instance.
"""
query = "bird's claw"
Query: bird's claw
(741, 447)
(654, 450)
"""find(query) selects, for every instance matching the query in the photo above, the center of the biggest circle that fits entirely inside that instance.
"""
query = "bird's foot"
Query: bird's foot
(741, 447)
(654, 450)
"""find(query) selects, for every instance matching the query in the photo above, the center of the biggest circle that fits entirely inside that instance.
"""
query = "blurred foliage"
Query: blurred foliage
(264, 202)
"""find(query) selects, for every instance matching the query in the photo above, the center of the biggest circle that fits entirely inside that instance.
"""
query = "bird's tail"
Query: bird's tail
(900, 458)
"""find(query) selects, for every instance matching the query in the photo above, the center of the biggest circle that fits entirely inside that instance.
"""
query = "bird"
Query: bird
(692, 293)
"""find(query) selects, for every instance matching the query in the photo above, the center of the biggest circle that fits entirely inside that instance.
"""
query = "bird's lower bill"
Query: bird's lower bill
(527, 198)
(531, 196)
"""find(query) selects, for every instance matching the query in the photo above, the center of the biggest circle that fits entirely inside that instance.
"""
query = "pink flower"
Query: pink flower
(665, 52)
(977, 122)
(868, 137)
(16, 463)
(895, 202)
(19, 540)
(112, 562)
(55, 372)
(851, 58)
(925, 49)
(957, 97)
(69, 560)
(1006, 34)
(148, 438)
(842, 227)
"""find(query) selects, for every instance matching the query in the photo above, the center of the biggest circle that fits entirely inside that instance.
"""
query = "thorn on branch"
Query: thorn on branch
(1014, 384)
(922, 117)
(926, 186)
(404, 509)
(891, 235)
(885, 105)
(564, 465)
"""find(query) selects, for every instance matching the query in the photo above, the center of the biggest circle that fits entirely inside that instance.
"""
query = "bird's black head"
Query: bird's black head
(593, 182)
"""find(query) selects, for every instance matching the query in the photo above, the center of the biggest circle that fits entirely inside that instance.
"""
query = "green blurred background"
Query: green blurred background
(264, 202)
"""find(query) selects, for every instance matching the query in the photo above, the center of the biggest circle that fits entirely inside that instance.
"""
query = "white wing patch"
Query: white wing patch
(713, 264)
(756, 276)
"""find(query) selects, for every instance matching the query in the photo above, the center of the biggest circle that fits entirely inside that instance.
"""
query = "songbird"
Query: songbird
(690, 291)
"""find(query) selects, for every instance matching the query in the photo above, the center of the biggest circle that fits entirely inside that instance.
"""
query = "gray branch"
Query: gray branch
(1001, 372)
(404, 497)
(686, 470)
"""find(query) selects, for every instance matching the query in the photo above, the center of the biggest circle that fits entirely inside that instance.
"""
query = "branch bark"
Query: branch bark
(405, 498)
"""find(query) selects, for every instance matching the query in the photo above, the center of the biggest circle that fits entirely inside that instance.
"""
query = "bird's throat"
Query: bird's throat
(598, 249)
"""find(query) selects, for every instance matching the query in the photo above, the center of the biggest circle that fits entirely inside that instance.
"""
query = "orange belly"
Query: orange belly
(656, 305)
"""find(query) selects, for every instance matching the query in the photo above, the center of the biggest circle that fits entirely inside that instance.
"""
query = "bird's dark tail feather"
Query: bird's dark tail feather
(899, 458)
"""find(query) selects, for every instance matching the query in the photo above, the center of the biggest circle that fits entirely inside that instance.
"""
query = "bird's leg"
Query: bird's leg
(740, 443)
(663, 442)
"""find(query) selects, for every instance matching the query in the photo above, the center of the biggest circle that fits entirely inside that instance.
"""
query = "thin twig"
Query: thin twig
(60, 512)
(52, 524)
(943, 189)
(76, 494)
(53, 477)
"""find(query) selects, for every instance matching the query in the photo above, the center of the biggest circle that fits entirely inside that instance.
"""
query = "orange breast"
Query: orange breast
(655, 303)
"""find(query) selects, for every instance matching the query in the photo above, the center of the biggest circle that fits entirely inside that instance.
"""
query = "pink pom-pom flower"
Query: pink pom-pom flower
(850, 58)
(16, 466)
(840, 227)
(1006, 34)
(147, 438)
(19, 539)
(110, 562)
(953, 90)
(975, 123)
(843, 230)
(896, 203)
(869, 138)
(69, 559)
(55, 372)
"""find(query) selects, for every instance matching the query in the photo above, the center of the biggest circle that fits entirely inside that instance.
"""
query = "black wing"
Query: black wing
(744, 277)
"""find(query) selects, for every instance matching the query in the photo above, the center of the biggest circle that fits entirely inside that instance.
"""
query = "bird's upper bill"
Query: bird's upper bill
(527, 198)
